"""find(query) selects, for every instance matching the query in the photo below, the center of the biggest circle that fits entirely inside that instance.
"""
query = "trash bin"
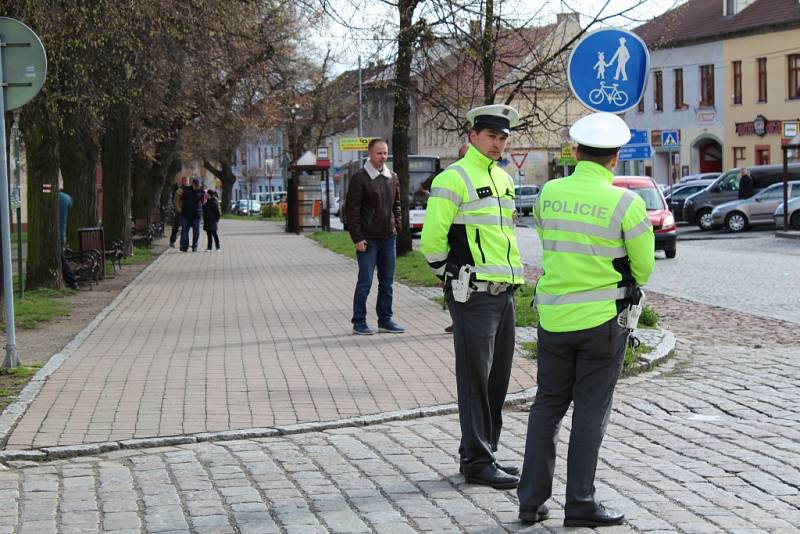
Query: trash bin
(92, 239)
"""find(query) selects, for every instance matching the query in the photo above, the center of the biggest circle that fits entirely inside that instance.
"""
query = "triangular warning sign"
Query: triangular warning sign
(669, 141)
(519, 158)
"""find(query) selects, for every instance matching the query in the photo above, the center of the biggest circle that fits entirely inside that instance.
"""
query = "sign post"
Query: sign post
(519, 160)
(670, 139)
(608, 70)
(23, 65)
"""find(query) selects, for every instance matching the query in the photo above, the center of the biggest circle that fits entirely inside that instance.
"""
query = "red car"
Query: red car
(660, 217)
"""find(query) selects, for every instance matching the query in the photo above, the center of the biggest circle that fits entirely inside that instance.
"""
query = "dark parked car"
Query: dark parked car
(681, 192)
(700, 176)
(697, 208)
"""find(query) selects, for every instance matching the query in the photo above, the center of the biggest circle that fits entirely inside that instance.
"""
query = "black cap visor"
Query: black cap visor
(493, 122)
(600, 152)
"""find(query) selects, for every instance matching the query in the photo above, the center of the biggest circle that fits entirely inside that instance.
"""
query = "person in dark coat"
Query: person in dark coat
(211, 215)
(745, 185)
(192, 199)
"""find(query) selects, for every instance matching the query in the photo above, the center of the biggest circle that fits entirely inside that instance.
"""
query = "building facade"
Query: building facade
(763, 109)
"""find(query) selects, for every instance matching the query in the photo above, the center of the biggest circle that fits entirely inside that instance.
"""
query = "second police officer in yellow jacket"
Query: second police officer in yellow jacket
(468, 239)
(597, 250)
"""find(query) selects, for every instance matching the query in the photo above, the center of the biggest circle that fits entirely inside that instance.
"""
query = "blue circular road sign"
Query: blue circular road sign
(608, 70)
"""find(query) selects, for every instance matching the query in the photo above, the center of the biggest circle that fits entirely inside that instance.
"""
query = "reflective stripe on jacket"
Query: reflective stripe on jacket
(469, 221)
(597, 241)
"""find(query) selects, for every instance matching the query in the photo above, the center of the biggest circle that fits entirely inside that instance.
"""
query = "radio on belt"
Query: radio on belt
(461, 285)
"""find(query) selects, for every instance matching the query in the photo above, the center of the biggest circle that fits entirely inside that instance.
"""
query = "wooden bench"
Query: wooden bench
(142, 233)
(91, 239)
(85, 265)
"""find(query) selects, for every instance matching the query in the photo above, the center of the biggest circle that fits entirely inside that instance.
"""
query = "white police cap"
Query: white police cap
(604, 132)
(496, 117)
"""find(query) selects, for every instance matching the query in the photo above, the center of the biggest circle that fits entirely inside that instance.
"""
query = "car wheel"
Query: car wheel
(736, 222)
(671, 253)
(794, 222)
(704, 220)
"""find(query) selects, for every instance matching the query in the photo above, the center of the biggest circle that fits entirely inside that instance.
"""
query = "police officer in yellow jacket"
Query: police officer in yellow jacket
(468, 240)
(598, 248)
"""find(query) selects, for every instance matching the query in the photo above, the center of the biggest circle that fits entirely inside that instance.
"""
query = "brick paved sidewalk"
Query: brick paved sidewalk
(256, 336)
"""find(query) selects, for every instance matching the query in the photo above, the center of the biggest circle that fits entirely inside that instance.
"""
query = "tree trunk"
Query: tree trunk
(117, 178)
(226, 176)
(402, 114)
(488, 53)
(78, 156)
(43, 267)
(150, 177)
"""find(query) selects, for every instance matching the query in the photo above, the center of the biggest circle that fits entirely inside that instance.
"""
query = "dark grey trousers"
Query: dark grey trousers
(483, 335)
(580, 367)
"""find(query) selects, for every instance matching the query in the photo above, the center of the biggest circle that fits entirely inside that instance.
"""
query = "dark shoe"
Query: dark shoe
(527, 515)
(448, 329)
(172, 245)
(600, 518)
(362, 330)
(391, 327)
(493, 477)
(74, 287)
(510, 469)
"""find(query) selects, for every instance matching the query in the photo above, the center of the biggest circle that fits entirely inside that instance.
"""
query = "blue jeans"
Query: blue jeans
(380, 253)
(194, 224)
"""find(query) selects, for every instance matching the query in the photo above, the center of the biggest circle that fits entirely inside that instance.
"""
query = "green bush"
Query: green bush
(649, 318)
(271, 211)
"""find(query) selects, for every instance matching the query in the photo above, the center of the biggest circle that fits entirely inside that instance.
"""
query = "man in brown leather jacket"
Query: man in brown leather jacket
(374, 220)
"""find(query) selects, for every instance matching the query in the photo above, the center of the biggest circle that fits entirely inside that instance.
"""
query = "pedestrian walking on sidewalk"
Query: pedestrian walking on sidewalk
(211, 215)
(374, 219)
(468, 240)
(64, 204)
(175, 199)
(598, 248)
(192, 199)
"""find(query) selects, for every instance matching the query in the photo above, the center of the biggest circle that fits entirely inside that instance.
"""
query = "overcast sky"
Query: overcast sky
(375, 19)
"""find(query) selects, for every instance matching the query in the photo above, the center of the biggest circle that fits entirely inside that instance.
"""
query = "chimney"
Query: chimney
(563, 18)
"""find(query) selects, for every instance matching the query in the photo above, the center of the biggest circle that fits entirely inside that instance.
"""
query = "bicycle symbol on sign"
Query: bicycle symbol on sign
(610, 93)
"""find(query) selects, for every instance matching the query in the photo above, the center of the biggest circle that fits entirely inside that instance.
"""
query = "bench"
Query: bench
(85, 265)
(91, 239)
(142, 233)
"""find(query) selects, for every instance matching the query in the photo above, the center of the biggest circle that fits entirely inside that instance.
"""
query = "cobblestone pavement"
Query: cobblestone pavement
(707, 443)
(755, 275)
(258, 336)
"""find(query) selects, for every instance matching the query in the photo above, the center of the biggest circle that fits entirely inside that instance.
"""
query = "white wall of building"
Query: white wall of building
(695, 123)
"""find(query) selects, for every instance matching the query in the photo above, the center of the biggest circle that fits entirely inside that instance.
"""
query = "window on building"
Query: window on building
(730, 7)
(794, 76)
(738, 155)
(762, 155)
(640, 105)
(707, 86)
(679, 104)
(658, 92)
(737, 82)
(762, 79)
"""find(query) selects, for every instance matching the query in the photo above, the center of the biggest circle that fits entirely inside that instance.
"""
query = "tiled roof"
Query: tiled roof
(702, 20)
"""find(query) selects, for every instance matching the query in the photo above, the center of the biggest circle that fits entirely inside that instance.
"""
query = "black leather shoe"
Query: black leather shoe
(600, 518)
(493, 477)
(510, 469)
(527, 515)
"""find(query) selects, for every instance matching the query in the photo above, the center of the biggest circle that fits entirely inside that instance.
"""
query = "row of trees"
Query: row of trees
(134, 86)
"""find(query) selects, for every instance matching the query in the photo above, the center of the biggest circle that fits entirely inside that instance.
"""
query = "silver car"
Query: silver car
(794, 211)
(525, 196)
(738, 215)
